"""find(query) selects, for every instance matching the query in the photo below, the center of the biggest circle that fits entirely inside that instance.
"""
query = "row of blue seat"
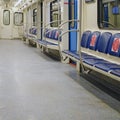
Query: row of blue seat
(52, 34)
(32, 35)
(33, 31)
(50, 38)
(48, 33)
(104, 43)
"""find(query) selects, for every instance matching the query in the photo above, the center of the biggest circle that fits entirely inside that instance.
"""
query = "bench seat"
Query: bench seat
(115, 71)
(32, 35)
(77, 56)
(106, 66)
(95, 47)
(44, 42)
(50, 39)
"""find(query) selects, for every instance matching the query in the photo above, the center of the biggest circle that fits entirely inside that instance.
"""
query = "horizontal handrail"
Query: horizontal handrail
(74, 30)
(52, 22)
(73, 20)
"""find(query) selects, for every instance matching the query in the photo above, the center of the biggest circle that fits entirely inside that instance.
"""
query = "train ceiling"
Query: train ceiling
(7, 2)
(18, 4)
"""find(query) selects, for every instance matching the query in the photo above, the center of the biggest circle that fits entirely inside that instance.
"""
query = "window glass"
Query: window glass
(55, 14)
(72, 15)
(18, 18)
(109, 14)
(34, 17)
(6, 17)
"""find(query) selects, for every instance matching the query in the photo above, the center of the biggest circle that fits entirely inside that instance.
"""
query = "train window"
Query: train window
(6, 17)
(34, 17)
(18, 18)
(72, 15)
(55, 13)
(109, 14)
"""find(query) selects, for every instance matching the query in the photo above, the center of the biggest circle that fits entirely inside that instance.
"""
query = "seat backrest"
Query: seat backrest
(46, 33)
(50, 34)
(56, 35)
(114, 45)
(85, 37)
(93, 40)
(103, 42)
(34, 31)
(30, 30)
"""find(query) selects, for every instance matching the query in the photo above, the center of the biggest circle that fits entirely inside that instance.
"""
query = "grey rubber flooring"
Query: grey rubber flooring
(35, 87)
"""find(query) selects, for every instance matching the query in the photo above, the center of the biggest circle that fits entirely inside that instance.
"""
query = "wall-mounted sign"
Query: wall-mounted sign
(88, 1)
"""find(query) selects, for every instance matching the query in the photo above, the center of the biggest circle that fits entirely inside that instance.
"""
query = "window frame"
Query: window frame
(8, 17)
(100, 16)
(22, 19)
(35, 17)
(56, 15)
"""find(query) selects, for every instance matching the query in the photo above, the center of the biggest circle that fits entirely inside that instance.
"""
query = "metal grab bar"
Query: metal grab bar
(78, 30)
(73, 20)
(80, 36)
(59, 25)
(74, 30)
(59, 29)
(49, 30)
(49, 24)
(52, 22)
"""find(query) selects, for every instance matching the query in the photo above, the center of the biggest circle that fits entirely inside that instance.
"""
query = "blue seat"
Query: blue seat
(92, 61)
(56, 35)
(44, 42)
(87, 37)
(46, 33)
(72, 54)
(53, 34)
(102, 46)
(106, 66)
(93, 40)
(76, 55)
(34, 31)
(50, 34)
(84, 39)
(104, 41)
(30, 30)
(114, 46)
(116, 72)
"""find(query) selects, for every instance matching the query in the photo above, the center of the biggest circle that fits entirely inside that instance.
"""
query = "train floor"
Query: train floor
(34, 86)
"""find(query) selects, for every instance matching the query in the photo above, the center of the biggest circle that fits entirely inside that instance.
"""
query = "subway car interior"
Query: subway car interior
(59, 59)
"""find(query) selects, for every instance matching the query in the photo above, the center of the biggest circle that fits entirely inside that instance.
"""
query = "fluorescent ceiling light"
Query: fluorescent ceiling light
(17, 3)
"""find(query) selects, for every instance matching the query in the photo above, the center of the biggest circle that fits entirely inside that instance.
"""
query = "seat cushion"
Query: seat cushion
(106, 66)
(116, 72)
(92, 60)
(72, 54)
(77, 56)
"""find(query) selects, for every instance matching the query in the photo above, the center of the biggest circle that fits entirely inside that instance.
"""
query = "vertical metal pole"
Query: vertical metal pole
(58, 12)
(80, 24)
